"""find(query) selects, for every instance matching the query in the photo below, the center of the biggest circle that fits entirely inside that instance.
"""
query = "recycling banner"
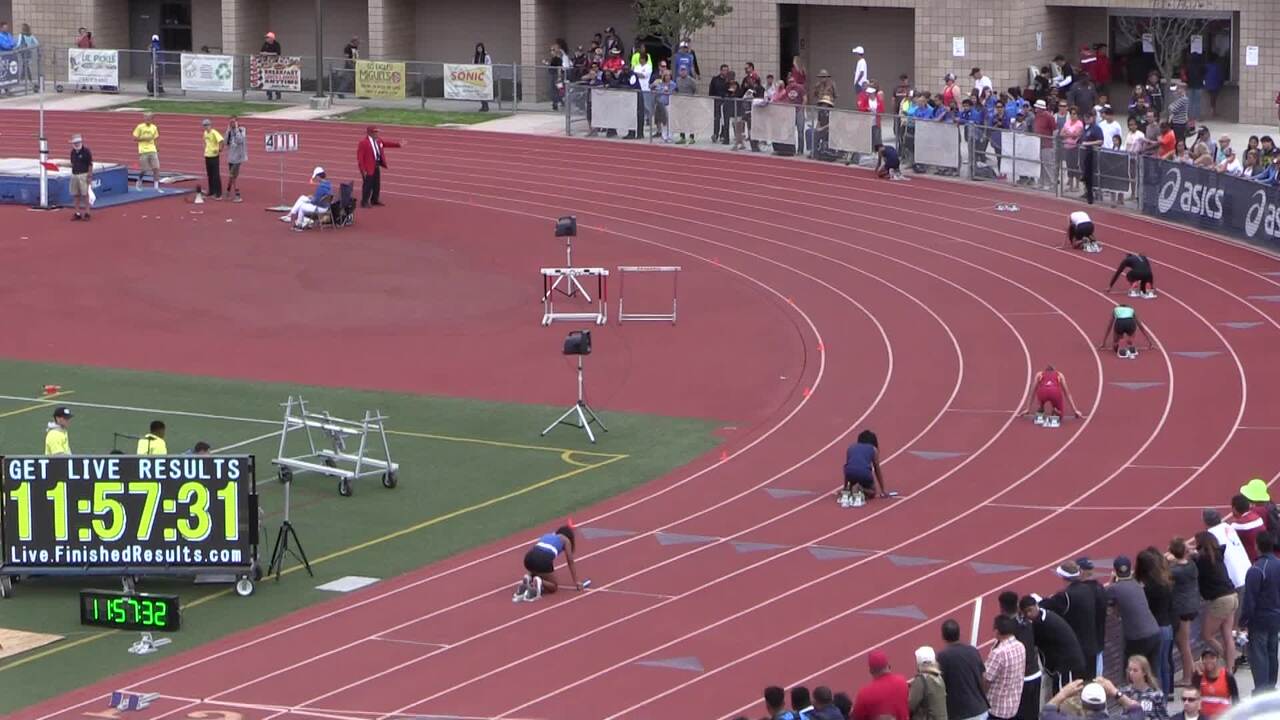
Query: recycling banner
(208, 73)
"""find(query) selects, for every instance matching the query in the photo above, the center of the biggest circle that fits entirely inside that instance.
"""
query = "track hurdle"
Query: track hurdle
(673, 270)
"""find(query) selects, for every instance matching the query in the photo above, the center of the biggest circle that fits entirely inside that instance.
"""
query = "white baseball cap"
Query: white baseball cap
(1093, 695)
(925, 654)
(859, 50)
(317, 172)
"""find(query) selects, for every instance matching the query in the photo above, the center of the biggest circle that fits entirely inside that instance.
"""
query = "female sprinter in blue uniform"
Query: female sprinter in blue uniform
(540, 565)
(1124, 324)
(862, 465)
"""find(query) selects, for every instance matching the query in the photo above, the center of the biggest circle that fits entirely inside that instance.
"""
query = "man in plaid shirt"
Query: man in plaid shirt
(1003, 677)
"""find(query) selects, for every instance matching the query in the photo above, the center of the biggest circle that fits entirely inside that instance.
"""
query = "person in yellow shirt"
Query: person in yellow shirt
(146, 134)
(213, 143)
(153, 442)
(56, 439)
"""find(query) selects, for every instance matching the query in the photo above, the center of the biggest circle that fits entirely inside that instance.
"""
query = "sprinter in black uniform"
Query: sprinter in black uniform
(1142, 280)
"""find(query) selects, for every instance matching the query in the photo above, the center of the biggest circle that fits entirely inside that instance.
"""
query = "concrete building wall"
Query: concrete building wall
(206, 25)
(244, 23)
(828, 35)
(748, 34)
(448, 32)
(391, 25)
(293, 22)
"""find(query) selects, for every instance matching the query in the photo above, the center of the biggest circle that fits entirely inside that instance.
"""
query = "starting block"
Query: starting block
(552, 276)
(131, 701)
(673, 270)
(147, 644)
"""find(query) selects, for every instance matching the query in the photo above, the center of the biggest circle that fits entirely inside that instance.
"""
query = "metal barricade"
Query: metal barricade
(20, 71)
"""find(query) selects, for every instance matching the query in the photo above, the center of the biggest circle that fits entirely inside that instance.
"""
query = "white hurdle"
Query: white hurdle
(674, 270)
(553, 276)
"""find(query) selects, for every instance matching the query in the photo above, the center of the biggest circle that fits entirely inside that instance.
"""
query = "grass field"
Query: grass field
(214, 108)
(471, 472)
(431, 118)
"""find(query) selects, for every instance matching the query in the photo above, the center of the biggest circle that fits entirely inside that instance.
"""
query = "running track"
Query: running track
(917, 310)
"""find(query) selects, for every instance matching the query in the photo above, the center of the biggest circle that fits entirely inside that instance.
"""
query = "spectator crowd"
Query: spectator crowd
(1184, 613)
(1068, 109)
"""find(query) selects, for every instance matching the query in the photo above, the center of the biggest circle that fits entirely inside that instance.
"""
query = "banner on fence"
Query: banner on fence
(937, 144)
(774, 123)
(850, 132)
(275, 72)
(1115, 170)
(208, 73)
(613, 110)
(376, 79)
(1215, 201)
(1025, 149)
(692, 115)
(468, 82)
(10, 69)
(93, 67)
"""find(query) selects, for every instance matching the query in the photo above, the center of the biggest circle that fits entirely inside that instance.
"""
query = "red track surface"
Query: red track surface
(910, 308)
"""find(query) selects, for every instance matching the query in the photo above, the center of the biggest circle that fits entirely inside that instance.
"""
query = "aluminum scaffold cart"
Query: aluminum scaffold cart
(330, 461)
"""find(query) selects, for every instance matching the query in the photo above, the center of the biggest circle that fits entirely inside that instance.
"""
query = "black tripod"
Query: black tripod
(581, 409)
(286, 532)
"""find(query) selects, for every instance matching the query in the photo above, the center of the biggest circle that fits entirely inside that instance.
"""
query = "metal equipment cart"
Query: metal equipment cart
(330, 461)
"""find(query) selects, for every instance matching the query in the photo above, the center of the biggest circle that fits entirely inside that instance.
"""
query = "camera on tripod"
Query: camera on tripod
(567, 226)
(578, 342)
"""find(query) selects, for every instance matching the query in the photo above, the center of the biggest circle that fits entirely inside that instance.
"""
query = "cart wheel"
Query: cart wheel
(244, 586)
(6, 586)
(286, 475)
(330, 462)
(344, 487)
(389, 480)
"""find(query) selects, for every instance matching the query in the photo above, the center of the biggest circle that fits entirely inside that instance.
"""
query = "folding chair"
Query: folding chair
(343, 212)
(322, 213)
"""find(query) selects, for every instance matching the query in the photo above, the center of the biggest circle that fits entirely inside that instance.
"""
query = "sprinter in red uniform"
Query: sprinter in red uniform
(1048, 389)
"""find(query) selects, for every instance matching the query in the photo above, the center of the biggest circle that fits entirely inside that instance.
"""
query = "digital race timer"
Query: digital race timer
(130, 611)
(158, 514)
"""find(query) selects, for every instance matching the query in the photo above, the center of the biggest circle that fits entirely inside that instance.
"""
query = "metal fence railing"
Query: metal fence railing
(165, 72)
(20, 71)
(1203, 197)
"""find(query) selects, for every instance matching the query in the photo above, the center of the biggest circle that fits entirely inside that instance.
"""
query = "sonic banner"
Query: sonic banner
(468, 82)
(1211, 200)
(380, 79)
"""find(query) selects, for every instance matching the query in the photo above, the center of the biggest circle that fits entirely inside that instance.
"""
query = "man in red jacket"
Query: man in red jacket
(885, 696)
(371, 157)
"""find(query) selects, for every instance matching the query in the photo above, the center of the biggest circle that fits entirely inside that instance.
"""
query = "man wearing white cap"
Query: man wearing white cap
(1093, 699)
(860, 74)
(305, 205)
(81, 177)
(926, 693)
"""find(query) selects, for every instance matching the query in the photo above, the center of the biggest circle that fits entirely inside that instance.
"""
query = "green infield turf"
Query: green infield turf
(213, 108)
(471, 472)
(430, 118)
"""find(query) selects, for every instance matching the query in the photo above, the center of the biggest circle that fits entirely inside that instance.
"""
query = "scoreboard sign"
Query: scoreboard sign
(174, 514)
(280, 142)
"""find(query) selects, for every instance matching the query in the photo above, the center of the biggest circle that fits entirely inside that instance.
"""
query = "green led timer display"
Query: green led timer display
(123, 611)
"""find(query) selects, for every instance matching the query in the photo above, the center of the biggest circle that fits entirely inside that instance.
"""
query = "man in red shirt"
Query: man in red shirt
(1247, 525)
(885, 696)
(371, 158)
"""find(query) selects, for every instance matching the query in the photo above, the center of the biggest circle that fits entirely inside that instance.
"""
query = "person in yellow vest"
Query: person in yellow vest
(213, 143)
(146, 134)
(153, 442)
(56, 439)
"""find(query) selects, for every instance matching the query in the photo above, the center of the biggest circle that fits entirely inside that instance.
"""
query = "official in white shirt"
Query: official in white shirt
(860, 74)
